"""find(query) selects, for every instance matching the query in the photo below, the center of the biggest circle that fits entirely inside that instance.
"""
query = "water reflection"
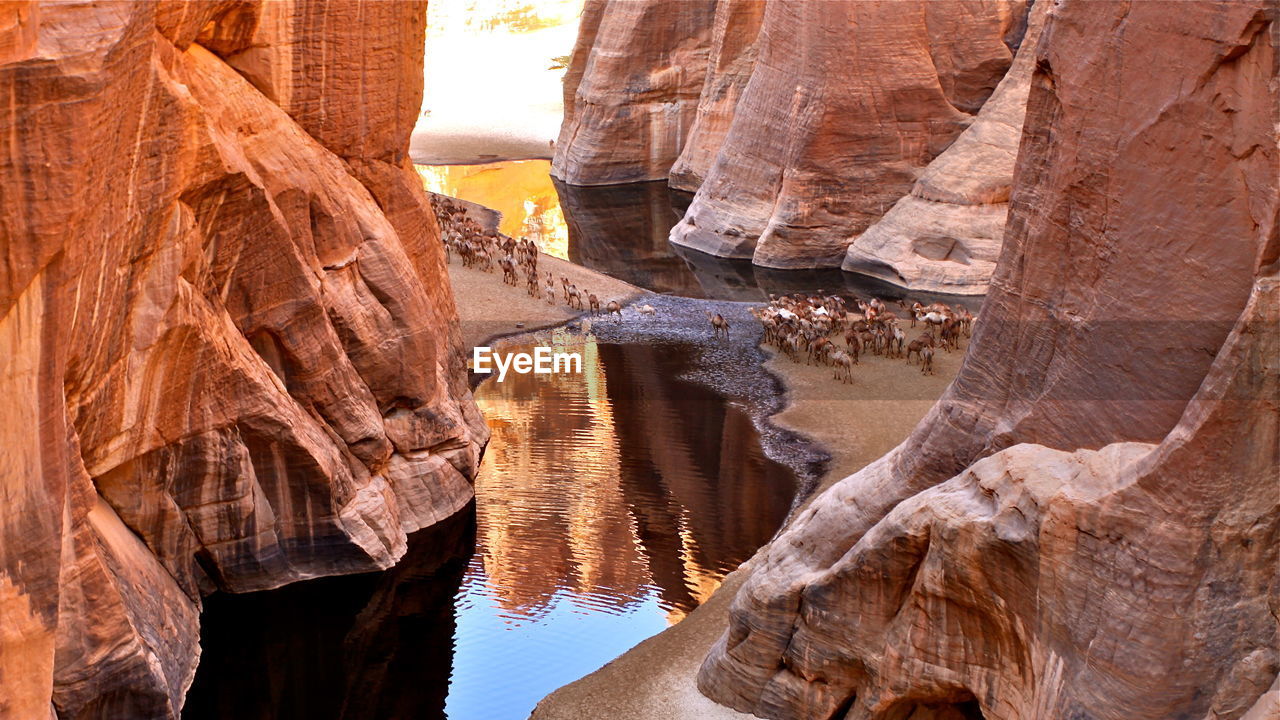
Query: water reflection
(622, 230)
(609, 504)
(612, 503)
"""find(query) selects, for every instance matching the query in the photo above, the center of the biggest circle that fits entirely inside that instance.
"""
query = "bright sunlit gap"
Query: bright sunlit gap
(492, 79)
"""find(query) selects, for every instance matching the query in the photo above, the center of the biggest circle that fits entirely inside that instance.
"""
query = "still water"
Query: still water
(609, 504)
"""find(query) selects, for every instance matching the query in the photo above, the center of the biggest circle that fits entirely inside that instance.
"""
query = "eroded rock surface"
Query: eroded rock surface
(734, 39)
(1086, 525)
(945, 235)
(230, 355)
(847, 102)
(631, 91)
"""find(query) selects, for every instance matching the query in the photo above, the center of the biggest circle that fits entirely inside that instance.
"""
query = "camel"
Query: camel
(508, 270)
(594, 303)
(933, 318)
(843, 363)
(915, 348)
(897, 340)
(718, 324)
(818, 351)
(926, 360)
(950, 335)
(613, 308)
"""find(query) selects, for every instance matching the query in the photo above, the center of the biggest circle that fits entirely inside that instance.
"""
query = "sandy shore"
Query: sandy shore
(858, 423)
(854, 423)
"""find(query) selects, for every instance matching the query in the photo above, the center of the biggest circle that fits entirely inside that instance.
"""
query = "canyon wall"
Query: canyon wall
(945, 235)
(875, 147)
(230, 354)
(833, 127)
(1086, 525)
(732, 58)
(631, 90)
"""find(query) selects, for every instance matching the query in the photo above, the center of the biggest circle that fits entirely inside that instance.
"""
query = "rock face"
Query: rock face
(804, 137)
(833, 127)
(1086, 525)
(632, 88)
(945, 235)
(734, 39)
(230, 354)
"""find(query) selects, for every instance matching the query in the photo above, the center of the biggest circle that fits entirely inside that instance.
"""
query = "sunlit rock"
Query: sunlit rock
(945, 235)
(632, 88)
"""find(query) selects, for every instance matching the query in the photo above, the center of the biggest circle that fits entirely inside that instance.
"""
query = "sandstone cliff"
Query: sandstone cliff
(632, 88)
(1087, 524)
(229, 351)
(945, 235)
(833, 127)
(732, 58)
(806, 140)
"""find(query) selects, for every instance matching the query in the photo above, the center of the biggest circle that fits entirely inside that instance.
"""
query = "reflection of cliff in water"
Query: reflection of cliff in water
(377, 645)
(701, 493)
(609, 504)
(622, 230)
(636, 481)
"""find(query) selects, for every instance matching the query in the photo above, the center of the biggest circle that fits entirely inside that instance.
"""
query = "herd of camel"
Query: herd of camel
(478, 247)
(812, 325)
(796, 324)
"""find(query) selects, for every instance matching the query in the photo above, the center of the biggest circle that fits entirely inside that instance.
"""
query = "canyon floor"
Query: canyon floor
(854, 424)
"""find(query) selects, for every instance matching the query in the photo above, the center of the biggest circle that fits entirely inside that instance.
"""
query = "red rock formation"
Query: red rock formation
(631, 90)
(945, 235)
(834, 125)
(230, 355)
(1086, 525)
(732, 58)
